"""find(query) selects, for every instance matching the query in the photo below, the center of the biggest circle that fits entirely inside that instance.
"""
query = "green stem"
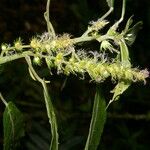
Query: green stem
(107, 13)
(122, 15)
(49, 25)
(6, 59)
(28, 60)
(90, 38)
(102, 18)
(52, 118)
(49, 107)
(123, 11)
(3, 100)
(82, 39)
(12, 48)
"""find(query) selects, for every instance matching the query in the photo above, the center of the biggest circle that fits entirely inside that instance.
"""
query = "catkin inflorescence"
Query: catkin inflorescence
(59, 53)
(62, 55)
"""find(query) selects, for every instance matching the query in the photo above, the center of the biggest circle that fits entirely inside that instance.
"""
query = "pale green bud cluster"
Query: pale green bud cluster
(98, 25)
(4, 47)
(35, 44)
(47, 44)
(37, 60)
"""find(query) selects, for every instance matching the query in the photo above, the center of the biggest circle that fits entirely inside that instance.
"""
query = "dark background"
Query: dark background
(128, 123)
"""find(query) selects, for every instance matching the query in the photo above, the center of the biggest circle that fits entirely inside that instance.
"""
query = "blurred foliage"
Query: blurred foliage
(74, 100)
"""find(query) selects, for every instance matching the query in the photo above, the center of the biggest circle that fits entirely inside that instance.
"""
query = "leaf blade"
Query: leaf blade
(119, 89)
(97, 122)
(13, 126)
(125, 59)
(52, 118)
(132, 33)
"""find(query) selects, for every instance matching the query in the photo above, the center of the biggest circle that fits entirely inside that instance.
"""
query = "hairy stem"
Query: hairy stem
(6, 59)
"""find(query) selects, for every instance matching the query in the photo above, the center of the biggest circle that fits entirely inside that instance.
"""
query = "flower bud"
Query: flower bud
(35, 43)
(98, 25)
(58, 59)
(37, 61)
(53, 44)
(3, 47)
(105, 45)
(18, 45)
(129, 75)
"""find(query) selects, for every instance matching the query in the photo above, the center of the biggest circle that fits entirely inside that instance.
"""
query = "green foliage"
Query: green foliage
(97, 121)
(13, 124)
(132, 32)
(52, 118)
(119, 89)
(125, 59)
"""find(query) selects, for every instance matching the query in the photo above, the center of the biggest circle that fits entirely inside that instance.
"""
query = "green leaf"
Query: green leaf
(132, 33)
(128, 24)
(125, 59)
(97, 122)
(13, 126)
(110, 3)
(119, 89)
(52, 118)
